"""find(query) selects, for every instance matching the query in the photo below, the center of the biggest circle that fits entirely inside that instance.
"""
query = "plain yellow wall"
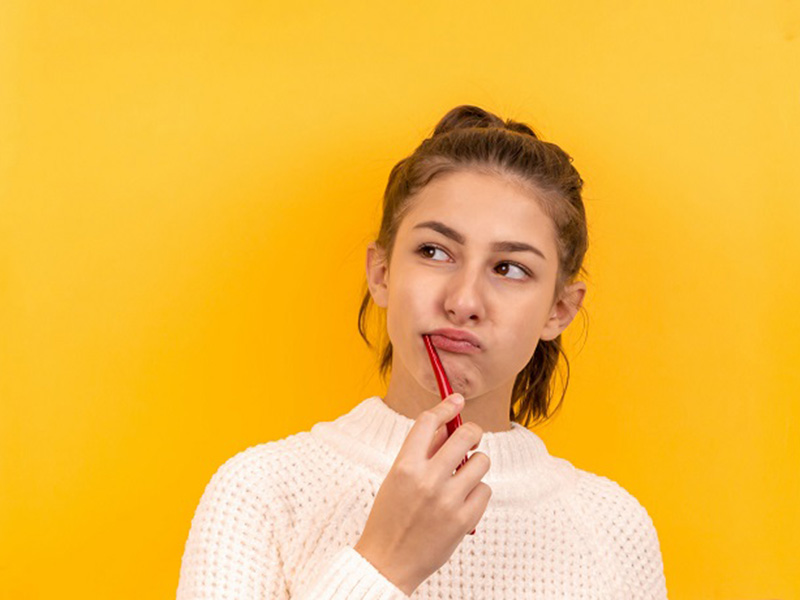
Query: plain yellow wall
(186, 194)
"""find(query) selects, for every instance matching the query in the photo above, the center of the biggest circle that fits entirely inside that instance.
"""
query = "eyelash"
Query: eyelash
(505, 262)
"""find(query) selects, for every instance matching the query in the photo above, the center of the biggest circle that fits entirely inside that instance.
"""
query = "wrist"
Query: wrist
(397, 577)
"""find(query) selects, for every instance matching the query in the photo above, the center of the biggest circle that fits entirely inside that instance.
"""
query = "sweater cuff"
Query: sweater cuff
(350, 575)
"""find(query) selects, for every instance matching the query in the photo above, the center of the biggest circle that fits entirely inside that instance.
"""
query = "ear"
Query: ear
(564, 310)
(377, 275)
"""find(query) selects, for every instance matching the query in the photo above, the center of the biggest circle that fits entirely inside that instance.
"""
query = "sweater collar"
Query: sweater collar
(372, 434)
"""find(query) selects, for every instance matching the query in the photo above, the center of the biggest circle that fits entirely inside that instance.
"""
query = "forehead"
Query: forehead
(483, 207)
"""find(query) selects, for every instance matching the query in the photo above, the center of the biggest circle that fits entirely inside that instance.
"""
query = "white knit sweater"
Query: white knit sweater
(279, 521)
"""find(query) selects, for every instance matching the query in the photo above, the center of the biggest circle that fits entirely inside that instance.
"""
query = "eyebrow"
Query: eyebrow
(496, 246)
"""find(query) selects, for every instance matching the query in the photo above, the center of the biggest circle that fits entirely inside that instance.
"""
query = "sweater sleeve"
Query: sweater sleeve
(348, 575)
(627, 536)
(642, 567)
(233, 551)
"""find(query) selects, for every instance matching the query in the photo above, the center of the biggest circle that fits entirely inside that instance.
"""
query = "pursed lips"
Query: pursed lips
(458, 342)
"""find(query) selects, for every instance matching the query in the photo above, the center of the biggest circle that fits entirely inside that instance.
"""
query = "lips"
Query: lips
(454, 340)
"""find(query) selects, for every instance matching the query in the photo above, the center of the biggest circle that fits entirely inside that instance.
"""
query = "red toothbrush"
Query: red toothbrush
(444, 390)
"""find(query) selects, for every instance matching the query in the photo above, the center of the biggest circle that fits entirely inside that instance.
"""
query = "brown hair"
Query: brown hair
(470, 138)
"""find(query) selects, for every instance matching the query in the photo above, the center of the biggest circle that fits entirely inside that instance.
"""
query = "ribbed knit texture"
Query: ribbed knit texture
(279, 520)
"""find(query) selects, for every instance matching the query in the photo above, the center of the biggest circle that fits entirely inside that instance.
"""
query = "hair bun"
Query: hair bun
(520, 128)
(471, 116)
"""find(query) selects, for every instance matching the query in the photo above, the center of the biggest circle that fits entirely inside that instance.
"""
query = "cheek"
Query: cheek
(407, 310)
(526, 329)
(411, 297)
(411, 311)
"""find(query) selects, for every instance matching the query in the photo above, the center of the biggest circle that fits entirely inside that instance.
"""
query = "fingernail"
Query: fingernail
(457, 399)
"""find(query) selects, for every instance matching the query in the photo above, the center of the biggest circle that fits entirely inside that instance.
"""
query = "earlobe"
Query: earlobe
(564, 311)
(377, 276)
(552, 327)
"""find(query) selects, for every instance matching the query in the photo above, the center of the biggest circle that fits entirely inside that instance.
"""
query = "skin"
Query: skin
(469, 287)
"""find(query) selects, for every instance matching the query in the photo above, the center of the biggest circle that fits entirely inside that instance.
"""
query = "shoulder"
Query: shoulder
(257, 474)
(238, 525)
(611, 508)
(605, 497)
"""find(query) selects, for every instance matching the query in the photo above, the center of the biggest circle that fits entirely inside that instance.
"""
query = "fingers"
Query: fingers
(439, 438)
(464, 481)
(453, 450)
(476, 502)
(422, 436)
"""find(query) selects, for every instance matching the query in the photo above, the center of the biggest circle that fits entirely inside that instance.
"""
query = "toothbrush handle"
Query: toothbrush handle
(444, 391)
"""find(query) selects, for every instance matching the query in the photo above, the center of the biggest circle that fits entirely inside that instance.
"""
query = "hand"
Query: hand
(422, 510)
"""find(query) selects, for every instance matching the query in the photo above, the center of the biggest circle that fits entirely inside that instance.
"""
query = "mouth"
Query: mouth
(455, 341)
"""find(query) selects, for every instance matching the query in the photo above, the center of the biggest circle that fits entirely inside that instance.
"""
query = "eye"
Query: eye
(425, 250)
(524, 271)
(426, 247)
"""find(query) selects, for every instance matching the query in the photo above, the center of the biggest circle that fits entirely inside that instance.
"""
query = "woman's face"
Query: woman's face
(449, 271)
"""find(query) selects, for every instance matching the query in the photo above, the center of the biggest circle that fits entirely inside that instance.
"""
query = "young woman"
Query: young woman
(481, 243)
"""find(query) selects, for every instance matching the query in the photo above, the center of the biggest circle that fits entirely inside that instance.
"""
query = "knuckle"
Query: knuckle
(465, 520)
(404, 470)
(449, 504)
(428, 491)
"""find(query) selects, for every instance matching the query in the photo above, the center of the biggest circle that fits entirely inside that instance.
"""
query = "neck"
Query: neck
(522, 470)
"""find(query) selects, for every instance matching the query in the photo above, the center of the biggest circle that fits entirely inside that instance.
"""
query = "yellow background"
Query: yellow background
(186, 194)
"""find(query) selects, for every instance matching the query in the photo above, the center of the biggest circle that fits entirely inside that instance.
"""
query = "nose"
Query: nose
(464, 296)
